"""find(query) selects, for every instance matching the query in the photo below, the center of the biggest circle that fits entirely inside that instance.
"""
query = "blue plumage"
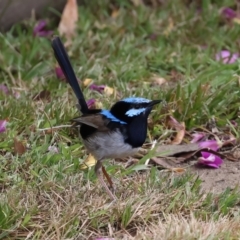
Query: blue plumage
(109, 115)
(135, 112)
(136, 100)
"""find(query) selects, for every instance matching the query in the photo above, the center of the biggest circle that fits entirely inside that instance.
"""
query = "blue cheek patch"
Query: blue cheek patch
(135, 112)
(108, 115)
(136, 100)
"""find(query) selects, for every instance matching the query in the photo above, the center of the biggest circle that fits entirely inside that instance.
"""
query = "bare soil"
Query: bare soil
(217, 180)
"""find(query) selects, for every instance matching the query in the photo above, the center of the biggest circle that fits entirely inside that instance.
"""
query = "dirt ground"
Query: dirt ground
(217, 180)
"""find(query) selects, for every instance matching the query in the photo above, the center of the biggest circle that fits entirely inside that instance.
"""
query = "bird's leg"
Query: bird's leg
(97, 169)
(112, 187)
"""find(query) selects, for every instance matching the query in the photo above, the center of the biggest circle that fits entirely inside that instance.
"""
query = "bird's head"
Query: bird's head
(129, 108)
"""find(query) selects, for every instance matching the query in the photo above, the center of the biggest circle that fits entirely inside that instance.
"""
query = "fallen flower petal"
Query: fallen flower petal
(40, 29)
(210, 160)
(91, 103)
(53, 149)
(98, 88)
(212, 144)
(3, 124)
(197, 136)
(59, 73)
(229, 13)
(4, 89)
(226, 57)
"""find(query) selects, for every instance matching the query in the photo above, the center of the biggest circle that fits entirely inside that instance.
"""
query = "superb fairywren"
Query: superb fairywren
(114, 133)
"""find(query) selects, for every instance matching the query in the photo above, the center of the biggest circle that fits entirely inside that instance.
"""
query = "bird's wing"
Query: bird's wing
(94, 120)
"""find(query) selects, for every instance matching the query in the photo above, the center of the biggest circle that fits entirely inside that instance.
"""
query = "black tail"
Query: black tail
(64, 62)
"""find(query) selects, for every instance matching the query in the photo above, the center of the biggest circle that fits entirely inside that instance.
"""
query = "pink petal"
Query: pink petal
(229, 13)
(3, 124)
(212, 144)
(210, 160)
(4, 89)
(91, 102)
(98, 88)
(197, 136)
(53, 149)
(40, 29)
(226, 57)
(59, 73)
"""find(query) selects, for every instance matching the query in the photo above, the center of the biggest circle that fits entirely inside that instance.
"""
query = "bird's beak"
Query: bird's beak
(153, 102)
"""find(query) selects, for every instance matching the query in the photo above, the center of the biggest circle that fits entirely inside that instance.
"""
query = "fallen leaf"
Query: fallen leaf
(179, 127)
(19, 147)
(236, 20)
(108, 90)
(87, 82)
(137, 3)
(88, 162)
(169, 28)
(180, 134)
(165, 163)
(115, 13)
(67, 25)
(177, 170)
(158, 80)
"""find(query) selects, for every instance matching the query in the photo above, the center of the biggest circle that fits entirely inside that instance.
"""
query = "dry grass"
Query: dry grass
(45, 195)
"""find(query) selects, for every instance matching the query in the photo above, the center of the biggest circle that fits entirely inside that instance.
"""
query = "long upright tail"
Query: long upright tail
(64, 62)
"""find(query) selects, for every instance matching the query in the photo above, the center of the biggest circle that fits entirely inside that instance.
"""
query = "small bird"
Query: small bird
(115, 133)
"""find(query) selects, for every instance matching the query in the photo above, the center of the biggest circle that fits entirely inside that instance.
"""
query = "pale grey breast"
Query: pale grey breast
(111, 146)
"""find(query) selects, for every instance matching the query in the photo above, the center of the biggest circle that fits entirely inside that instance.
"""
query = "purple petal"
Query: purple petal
(210, 160)
(40, 29)
(4, 89)
(98, 88)
(53, 149)
(59, 73)
(229, 13)
(197, 136)
(226, 57)
(3, 124)
(91, 102)
(212, 144)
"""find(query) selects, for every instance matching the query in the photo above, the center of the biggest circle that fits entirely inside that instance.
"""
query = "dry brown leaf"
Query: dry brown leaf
(169, 28)
(180, 134)
(137, 3)
(19, 147)
(170, 150)
(67, 25)
(165, 163)
(115, 13)
(179, 127)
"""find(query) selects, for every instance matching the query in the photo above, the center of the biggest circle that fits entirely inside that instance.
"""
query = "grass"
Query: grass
(45, 195)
